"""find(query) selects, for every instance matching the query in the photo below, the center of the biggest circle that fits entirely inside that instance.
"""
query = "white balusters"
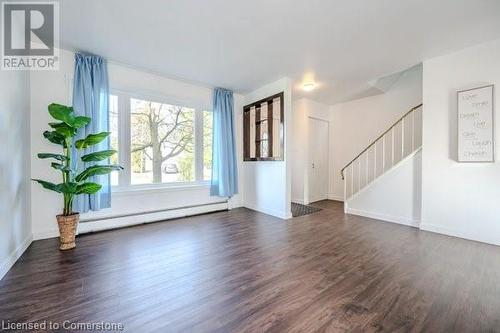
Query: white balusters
(402, 137)
(392, 145)
(358, 173)
(383, 153)
(413, 130)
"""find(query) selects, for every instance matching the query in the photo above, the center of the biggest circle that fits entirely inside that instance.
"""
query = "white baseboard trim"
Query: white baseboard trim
(269, 211)
(109, 223)
(388, 218)
(459, 233)
(7, 264)
(45, 234)
(335, 197)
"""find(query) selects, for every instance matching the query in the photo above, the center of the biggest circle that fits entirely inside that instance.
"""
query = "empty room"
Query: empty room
(249, 166)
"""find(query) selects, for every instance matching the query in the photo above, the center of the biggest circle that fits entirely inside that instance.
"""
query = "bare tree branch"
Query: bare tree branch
(146, 153)
(174, 152)
(166, 129)
(179, 147)
(176, 124)
(142, 147)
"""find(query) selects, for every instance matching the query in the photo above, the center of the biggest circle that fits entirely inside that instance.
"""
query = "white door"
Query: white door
(318, 159)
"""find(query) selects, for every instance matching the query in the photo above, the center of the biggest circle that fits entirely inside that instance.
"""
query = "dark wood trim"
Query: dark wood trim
(270, 126)
(257, 131)
(271, 134)
(259, 102)
(282, 127)
(246, 134)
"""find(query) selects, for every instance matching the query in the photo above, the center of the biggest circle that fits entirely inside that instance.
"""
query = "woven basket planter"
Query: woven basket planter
(67, 230)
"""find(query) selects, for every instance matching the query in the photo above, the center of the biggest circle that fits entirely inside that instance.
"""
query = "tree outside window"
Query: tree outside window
(162, 142)
(207, 145)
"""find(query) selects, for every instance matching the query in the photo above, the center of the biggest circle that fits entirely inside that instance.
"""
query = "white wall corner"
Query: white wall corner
(45, 234)
(235, 202)
(270, 182)
(7, 264)
(282, 214)
(299, 200)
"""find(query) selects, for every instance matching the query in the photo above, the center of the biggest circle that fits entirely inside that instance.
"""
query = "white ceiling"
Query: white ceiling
(243, 44)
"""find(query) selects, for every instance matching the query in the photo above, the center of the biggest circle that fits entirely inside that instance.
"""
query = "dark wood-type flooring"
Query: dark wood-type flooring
(243, 271)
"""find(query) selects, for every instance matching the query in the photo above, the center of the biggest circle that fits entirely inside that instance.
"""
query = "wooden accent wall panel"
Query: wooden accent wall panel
(267, 135)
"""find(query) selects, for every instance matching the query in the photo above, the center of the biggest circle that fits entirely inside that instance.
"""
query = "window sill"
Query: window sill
(140, 189)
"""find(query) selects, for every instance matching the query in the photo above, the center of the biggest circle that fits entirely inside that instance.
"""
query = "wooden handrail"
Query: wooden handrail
(378, 138)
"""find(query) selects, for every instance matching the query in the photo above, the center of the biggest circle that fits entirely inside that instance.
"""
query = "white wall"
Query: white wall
(304, 108)
(458, 199)
(395, 196)
(357, 123)
(267, 184)
(48, 87)
(15, 221)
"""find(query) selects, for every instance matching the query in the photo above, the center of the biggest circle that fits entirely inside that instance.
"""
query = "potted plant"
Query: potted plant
(74, 181)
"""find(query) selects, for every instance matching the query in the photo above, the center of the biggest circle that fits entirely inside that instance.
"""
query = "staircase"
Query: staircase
(399, 142)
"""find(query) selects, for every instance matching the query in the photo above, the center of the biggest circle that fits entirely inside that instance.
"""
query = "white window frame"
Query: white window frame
(124, 141)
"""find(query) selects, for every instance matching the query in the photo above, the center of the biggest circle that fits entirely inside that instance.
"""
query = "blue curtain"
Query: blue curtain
(90, 98)
(224, 167)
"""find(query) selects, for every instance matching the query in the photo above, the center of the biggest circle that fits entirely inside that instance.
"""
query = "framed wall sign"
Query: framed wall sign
(475, 125)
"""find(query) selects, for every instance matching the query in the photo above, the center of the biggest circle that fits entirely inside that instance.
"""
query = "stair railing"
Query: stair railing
(400, 140)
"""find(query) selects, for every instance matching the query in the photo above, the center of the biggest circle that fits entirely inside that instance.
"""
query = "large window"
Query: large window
(160, 142)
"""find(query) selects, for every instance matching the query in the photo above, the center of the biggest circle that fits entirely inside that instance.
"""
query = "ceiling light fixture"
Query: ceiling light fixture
(309, 86)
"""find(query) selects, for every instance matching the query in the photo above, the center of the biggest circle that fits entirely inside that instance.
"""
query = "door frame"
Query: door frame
(307, 194)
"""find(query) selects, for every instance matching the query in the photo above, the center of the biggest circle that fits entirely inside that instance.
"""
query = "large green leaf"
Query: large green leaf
(61, 112)
(56, 125)
(55, 137)
(98, 156)
(91, 139)
(48, 185)
(96, 170)
(65, 114)
(61, 167)
(58, 157)
(69, 188)
(57, 166)
(64, 129)
(80, 121)
(88, 188)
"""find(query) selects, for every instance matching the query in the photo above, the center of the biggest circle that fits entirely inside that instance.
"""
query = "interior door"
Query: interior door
(318, 159)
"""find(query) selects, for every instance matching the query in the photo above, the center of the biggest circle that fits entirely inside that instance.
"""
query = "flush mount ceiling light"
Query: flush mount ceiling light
(309, 86)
